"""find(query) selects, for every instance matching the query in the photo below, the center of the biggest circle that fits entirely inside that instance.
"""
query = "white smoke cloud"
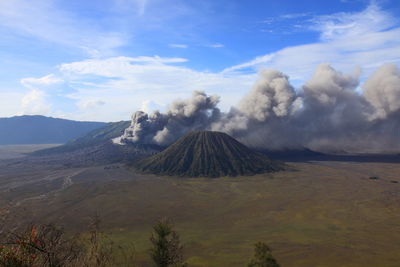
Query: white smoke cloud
(382, 90)
(271, 99)
(327, 85)
(272, 95)
(327, 114)
(183, 116)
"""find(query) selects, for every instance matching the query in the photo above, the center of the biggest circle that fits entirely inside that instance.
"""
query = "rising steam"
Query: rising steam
(327, 114)
(183, 116)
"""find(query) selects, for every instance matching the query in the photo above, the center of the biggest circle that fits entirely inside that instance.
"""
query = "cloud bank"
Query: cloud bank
(346, 39)
(85, 88)
(327, 114)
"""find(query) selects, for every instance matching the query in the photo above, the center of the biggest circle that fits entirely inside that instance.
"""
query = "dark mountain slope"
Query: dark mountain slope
(293, 155)
(96, 148)
(42, 130)
(98, 136)
(102, 153)
(207, 154)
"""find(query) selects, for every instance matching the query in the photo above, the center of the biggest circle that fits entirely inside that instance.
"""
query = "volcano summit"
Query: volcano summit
(207, 154)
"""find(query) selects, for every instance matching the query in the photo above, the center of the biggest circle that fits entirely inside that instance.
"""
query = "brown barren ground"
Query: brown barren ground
(318, 214)
(17, 151)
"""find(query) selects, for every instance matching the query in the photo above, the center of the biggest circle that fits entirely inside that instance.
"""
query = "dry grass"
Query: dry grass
(17, 151)
(322, 214)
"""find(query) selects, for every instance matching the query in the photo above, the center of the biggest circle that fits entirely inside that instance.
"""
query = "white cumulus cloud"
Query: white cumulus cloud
(47, 80)
(34, 103)
(126, 83)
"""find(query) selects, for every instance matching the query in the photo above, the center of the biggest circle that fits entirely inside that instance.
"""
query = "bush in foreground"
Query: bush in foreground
(48, 245)
(166, 248)
(45, 245)
(262, 256)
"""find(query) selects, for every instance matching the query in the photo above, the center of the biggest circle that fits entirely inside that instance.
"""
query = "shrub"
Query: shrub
(45, 245)
(100, 251)
(262, 256)
(166, 248)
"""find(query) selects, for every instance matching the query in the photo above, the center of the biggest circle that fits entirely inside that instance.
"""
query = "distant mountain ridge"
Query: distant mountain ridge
(96, 148)
(100, 135)
(37, 129)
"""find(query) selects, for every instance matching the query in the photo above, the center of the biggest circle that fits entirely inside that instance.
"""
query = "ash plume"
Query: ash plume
(329, 113)
(183, 116)
(382, 91)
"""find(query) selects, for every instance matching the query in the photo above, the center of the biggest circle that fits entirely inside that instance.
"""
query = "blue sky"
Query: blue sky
(102, 60)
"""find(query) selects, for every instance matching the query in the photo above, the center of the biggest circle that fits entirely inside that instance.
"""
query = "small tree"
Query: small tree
(101, 251)
(262, 256)
(98, 252)
(166, 248)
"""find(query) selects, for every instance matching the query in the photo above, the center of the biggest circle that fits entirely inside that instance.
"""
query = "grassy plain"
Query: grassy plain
(317, 214)
(16, 151)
